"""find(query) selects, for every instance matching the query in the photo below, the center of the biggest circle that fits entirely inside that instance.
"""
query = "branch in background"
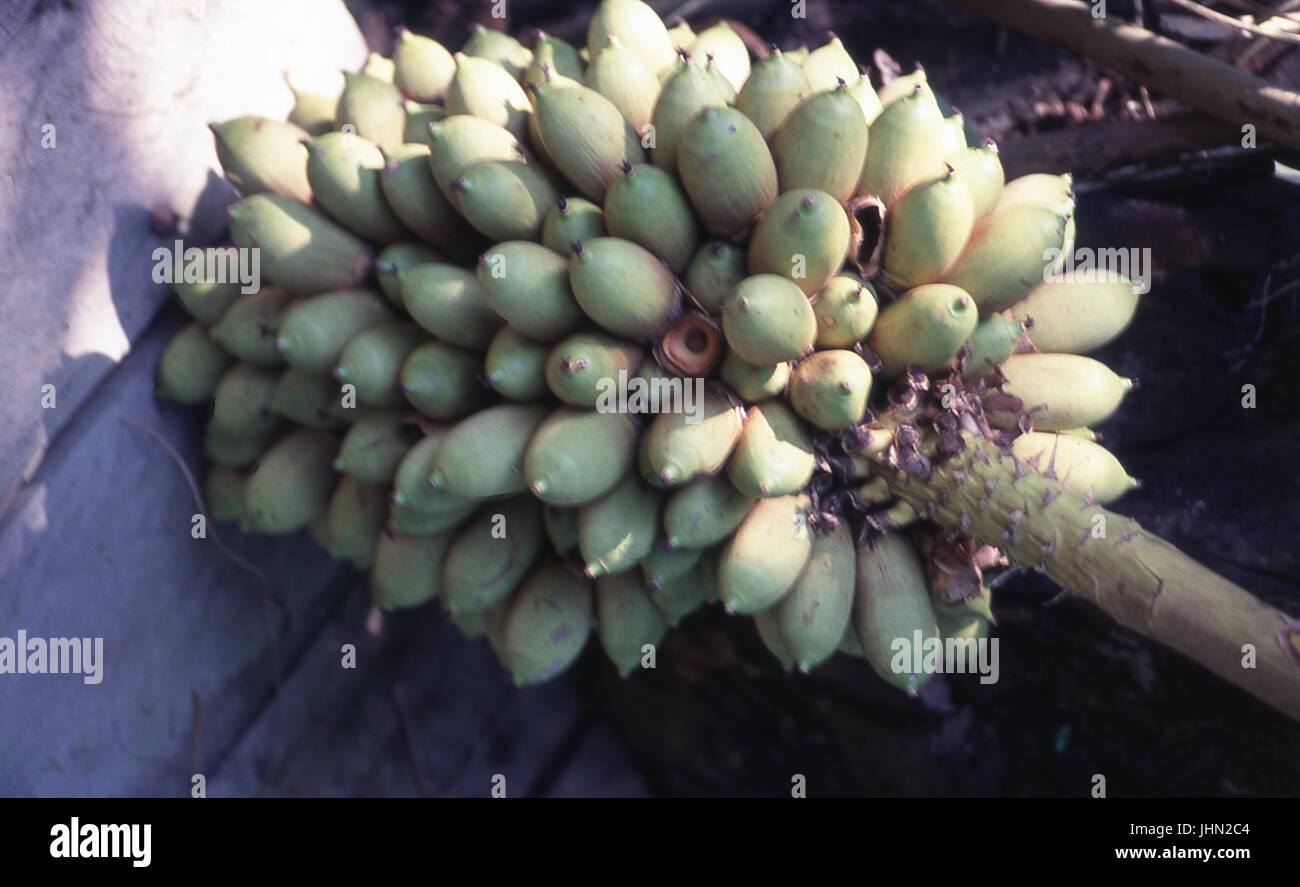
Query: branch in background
(1094, 147)
(1214, 87)
(1235, 23)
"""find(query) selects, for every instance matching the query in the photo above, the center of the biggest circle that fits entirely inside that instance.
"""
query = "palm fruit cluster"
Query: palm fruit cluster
(462, 251)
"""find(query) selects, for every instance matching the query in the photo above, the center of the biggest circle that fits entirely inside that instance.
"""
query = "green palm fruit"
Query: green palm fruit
(682, 595)
(622, 76)
(547, 624)
(313, 113)
(562, 58)
(312, 332)
(1085, 467)
(617, 530)
(846, 311)
(665, 564)
(1055, 193)
(765, 556)
(891, 606)
(447, 301)
(422, 67)
(823, 145)
(901, 86)
(415, 199)
(191, 366)
(471, 625)
(373, 109)
(241, 403)
(753, 383)
(260, 154)
(397, 257)
(379, 67)
(1059, 391)
(775, 87)
(981, 169)
(727, 170)
(500, 48)
(486, 90)
(234, 451)
(561, 528)
(505, 200)
(769, 632)
(953, 137)
(372, 361)
(515, 366)
(774, 456)
(1077, 317)
(626, 620)
(224, 491)
(411, 487)
(374, 445)
(578, 456)
(461, 141)
(994, 340)
(291, 484)
(767, 320)
(309, 399)
(544, 73)
(725, 47)
(681, 35)
(906, 146)
(1084, 432)
(637, 26)
(583, 369)
(571, 220)
(713, 273)
(299, 249)
(923, 328)
(704, 512)
(418, 118)
(585, 136)
(344, 172)
(804, 238)
(680, 447)
(528, 285)
(405, 519)
(646, 206)
(829, 64)
(1007, 255)
(248, 327)
(441, 380)
(205, 300)
(357, 512)
(927, 231)
(623, 287)
(865, 95)
(724, 85)
(830, 389)
(813, 617)
(491, 554)
(688, 90)
(407, 570)
(483, 455)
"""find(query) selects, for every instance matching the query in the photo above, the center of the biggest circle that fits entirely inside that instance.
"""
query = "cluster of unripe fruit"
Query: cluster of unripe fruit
(463, 252)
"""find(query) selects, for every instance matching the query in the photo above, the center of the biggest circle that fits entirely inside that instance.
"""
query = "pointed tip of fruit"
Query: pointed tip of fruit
(538, 488)
(437, 480)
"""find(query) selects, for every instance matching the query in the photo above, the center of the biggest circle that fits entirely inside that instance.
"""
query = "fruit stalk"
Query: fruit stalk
(1137, 578)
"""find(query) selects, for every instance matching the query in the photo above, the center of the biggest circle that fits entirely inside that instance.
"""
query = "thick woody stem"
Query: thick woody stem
(1157, 62)
(1137, 578)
